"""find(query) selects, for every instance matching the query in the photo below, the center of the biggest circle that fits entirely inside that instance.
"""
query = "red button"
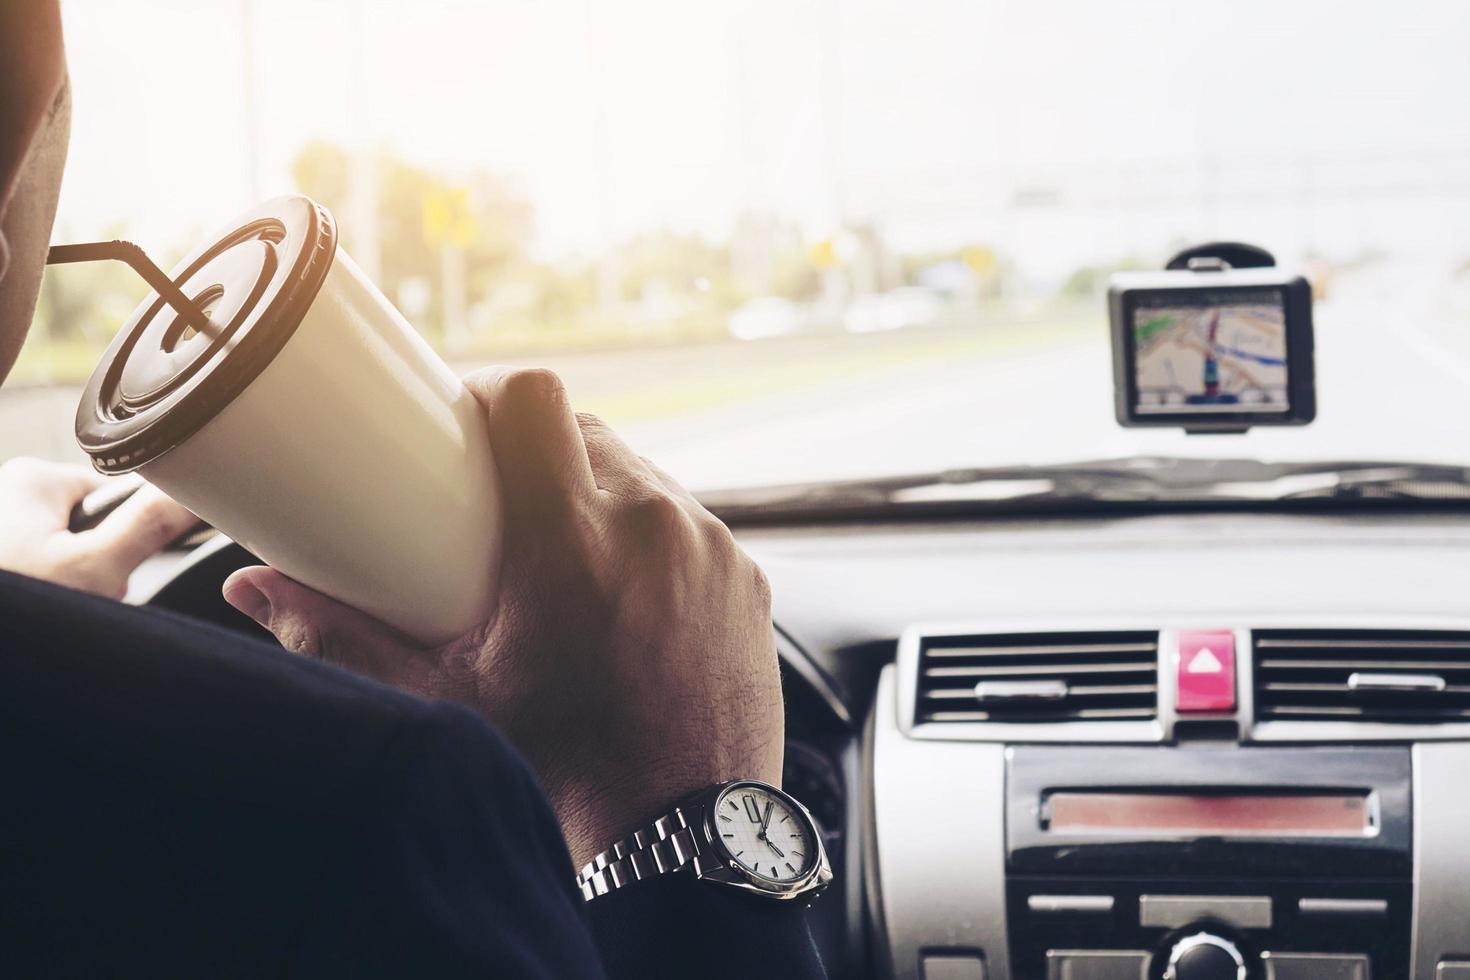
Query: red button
(1206, 671)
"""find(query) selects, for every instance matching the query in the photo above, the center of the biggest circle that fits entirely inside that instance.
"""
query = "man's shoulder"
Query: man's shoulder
(92, 679)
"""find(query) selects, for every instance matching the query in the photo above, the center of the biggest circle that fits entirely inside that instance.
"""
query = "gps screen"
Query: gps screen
(1210, 351)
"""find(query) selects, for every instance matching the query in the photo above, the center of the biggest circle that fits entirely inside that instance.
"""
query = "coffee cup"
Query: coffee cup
(309, 422)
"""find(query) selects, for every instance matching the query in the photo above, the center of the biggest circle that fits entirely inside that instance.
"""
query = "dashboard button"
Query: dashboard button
(1175, 911)
(952, 966)
(1205, 671)
(1096, 964)
(1335, 907)
(1070, 903)
(1315, 966)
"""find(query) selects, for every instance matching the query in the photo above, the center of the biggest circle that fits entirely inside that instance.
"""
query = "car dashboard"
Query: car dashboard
(1027, 766)
(1176, 745)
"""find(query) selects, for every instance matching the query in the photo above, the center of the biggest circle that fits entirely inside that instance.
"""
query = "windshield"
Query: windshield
(778, 242)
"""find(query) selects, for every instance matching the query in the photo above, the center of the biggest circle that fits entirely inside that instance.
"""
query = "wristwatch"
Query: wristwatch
(744, 835)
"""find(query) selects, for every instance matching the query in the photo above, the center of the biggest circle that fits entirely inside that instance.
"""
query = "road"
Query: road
(832, 407)
(727, 413)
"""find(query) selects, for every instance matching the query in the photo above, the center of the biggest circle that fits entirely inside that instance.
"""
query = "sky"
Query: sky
(1064, 131)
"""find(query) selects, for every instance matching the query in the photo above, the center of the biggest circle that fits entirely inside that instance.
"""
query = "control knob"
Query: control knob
(1204, 956)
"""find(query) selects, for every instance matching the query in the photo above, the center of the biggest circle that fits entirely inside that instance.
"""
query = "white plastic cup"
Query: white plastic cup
(315, 426)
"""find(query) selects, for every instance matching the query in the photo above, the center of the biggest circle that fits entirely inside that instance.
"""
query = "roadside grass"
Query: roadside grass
(848, 359)
(629, 383)
(55, 362)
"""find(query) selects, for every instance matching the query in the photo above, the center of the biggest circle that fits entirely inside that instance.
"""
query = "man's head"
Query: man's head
(35, 122)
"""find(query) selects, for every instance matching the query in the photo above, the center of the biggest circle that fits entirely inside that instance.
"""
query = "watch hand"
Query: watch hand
(767, 821)
(772, 845)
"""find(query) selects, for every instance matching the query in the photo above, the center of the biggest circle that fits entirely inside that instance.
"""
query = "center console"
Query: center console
(1291, 863)
(1070, 805)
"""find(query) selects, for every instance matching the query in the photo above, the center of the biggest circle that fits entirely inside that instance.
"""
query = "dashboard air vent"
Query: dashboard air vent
(1038, 677)
(1395, 676)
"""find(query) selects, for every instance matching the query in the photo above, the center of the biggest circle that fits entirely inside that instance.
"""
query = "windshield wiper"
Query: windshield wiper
(1120, 481)
(1393, 481)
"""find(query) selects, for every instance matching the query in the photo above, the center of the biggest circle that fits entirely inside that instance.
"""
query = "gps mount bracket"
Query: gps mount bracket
(1220, 257)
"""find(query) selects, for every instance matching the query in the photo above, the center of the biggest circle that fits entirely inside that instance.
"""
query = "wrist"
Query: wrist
(595, 815)
(592, 820)
(742, 835)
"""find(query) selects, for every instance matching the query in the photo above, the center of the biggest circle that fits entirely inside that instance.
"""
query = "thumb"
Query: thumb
(306, 622)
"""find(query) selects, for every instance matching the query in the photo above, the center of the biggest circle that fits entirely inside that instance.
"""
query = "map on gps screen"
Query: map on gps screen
(1211, 351)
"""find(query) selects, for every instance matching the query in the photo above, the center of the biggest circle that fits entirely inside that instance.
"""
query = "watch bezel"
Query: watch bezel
(728, 870)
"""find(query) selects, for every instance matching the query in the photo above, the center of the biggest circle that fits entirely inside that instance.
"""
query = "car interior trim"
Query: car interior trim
(939, 823)
(1441, 859)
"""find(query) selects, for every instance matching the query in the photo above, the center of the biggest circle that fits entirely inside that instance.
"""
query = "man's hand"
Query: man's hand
(630, 654)
(36, 499)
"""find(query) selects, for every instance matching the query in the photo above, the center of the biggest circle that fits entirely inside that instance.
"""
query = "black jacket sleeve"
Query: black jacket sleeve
(451, 866)
(677, 927)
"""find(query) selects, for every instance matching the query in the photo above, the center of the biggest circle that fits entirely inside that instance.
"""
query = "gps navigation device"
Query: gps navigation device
(1212, 350)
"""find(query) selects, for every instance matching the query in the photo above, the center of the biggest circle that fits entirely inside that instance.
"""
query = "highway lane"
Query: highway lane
(1385, 393)
(680, 401)
(833, 407)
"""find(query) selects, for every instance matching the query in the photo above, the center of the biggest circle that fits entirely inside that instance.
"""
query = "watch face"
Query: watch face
(764, 833)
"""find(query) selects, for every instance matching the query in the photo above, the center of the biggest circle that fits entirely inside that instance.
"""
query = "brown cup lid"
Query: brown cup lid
(160, 380)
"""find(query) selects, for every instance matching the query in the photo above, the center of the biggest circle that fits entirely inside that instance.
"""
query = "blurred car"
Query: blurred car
(910, 306)
(766, 316)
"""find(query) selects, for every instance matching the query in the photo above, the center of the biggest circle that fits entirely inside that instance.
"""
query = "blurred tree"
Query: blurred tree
(501, 220)
(669, 260)
(974, 272)
(320, 171)
(562, 293)
(1091, 281)
(794, 276)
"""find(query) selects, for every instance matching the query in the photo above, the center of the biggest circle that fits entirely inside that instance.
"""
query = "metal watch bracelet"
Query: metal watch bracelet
(667, 845)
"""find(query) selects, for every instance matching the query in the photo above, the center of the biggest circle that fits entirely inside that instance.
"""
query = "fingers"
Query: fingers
(139, 528)
(618, 469)
(70, 483)
(538, 448)
(615, 467)
(670, 484)
(306, 622)
(546, 452)
(55, 486)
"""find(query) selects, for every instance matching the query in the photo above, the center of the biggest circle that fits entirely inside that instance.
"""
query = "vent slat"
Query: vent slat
(1090, 714)
(957, 716)
(1305, 675)
(1390, 665)
(1102, 677)
(1051, 650)
(1348, 644)
(1087, 713)
(1375, 713)
(967, 693)
(1343, 689)
(1052, 670)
